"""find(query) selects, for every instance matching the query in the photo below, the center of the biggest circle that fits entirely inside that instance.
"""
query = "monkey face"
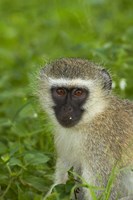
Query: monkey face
(68, 106)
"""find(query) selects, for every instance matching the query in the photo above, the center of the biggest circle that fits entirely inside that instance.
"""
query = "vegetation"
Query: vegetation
(32, 33)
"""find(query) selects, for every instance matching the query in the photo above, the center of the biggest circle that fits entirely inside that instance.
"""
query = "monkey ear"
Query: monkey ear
(107, 80)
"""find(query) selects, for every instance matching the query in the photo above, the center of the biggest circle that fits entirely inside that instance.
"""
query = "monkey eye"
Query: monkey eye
(78, 92)
(61, 91)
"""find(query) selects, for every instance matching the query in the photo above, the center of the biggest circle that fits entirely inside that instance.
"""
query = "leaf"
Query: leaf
(37, 182)
(28, 195)
(3, 148)
(5, 157)
(5, 122)
(14, 161)
(35, 158)
(64, 189)
(53, 196)
(3, 178)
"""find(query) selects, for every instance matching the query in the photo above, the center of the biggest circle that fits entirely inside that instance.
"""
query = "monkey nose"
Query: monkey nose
(68, 109)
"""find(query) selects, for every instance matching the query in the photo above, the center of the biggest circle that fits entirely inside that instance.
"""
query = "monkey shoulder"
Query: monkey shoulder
(117, 112)
(114, 128)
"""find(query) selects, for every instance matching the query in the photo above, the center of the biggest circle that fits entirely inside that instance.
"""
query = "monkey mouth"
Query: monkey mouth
(68, 121)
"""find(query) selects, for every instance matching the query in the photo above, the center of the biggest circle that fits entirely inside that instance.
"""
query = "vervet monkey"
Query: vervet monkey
(93, 130)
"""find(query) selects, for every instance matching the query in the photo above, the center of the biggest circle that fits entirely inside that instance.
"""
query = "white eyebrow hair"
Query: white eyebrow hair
(70, 82)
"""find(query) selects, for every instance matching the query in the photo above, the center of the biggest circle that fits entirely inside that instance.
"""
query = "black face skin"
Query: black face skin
(68, 104)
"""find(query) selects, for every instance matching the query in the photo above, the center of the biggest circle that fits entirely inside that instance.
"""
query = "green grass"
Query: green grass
(32, 33)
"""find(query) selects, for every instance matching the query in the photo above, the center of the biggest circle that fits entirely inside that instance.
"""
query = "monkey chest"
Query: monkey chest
(69, 147)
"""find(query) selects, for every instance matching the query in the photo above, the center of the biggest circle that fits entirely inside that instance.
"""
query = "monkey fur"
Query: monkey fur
(103, 136)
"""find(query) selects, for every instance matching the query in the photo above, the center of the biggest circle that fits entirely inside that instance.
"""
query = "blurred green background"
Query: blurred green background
(32, 33)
